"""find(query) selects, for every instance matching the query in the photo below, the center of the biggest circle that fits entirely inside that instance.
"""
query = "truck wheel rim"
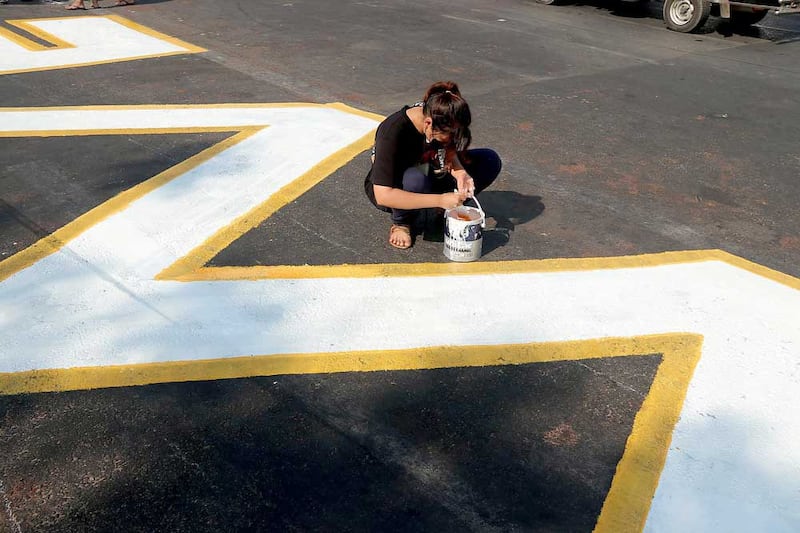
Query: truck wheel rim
(681, 12)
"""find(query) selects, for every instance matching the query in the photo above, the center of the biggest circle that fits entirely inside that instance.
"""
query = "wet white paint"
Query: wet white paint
(733, 465)
(93, 40)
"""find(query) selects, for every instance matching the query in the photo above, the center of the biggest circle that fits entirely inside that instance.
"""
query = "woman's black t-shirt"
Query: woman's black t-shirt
(398, 147)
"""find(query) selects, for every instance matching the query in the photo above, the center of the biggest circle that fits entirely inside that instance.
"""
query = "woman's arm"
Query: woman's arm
(400, 199)
(464, 182)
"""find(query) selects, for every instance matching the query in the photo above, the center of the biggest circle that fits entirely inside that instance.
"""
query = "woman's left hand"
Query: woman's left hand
(464, 182)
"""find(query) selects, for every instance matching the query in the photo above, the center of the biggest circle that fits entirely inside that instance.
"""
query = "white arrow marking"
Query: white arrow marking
(734, 464)
(82, 41)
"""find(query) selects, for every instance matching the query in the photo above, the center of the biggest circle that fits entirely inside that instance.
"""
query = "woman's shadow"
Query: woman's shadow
(509, 209)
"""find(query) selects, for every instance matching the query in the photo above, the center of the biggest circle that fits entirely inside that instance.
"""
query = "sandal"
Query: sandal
(121, 3)
(76, 5)
(405, 231)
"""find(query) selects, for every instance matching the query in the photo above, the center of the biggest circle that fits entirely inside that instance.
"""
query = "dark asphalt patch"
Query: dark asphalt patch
(183, 79)
(335, 217)
(531, 447)
(48, 182)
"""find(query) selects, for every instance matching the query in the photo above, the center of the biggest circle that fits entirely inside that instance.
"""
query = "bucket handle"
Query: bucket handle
(477, 203)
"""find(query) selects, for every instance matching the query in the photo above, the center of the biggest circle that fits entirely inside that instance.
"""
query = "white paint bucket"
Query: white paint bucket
(463, 232)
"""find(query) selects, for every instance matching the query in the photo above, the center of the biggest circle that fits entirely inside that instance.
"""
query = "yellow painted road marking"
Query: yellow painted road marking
(638, 473)
(56, 240)
(628, 500)
(27, 26)
(108, 32)
(59, 238)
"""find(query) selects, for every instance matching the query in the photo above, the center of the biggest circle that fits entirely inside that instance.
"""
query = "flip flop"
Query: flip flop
(402, 228)
(125, 3)
(73, 7)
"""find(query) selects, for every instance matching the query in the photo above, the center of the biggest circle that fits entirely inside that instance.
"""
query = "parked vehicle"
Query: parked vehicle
(689, 15)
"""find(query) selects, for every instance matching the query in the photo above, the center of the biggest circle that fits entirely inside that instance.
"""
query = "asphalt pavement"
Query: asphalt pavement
(619, 139)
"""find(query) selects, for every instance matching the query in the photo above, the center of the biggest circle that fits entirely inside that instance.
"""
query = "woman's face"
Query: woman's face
(443, 138)
(435, 135)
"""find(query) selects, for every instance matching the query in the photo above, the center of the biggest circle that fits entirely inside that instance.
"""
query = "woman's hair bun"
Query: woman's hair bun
(442, 87)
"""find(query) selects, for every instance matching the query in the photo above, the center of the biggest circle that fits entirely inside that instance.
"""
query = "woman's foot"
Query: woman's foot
(78, 4)
(125, 3)
(95, 4)
(400, 236)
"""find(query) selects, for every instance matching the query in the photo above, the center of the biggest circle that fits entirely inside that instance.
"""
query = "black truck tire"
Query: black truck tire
(686, 15)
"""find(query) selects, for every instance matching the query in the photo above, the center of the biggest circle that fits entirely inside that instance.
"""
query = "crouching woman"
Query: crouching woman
(421, 160)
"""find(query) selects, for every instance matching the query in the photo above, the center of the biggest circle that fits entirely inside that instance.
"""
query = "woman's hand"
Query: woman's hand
(464, 182)
(450, 200)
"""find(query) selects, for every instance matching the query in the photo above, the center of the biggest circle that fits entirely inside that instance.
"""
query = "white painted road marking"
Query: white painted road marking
(82, 41)
(733, 466)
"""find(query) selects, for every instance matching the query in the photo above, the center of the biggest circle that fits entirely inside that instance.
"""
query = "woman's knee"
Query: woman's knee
(484, 166)
(488, 160)
(414, 180)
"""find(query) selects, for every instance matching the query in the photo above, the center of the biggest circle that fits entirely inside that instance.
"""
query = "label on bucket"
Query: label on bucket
(470, 232)
(454, 247)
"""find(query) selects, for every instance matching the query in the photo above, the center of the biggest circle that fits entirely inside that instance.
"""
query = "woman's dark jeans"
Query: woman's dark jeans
(482, 164)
